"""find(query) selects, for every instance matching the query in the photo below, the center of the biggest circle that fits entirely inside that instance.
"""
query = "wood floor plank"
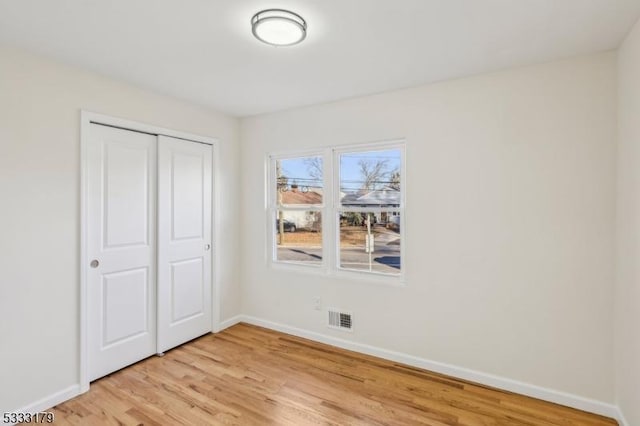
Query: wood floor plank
(248, 375)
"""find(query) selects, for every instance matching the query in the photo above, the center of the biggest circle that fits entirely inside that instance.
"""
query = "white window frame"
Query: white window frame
(273, 207)
(331, 209)
(338, 209)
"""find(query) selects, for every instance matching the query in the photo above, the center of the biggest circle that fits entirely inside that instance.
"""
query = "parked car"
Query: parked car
(394, 223)
(287, 225)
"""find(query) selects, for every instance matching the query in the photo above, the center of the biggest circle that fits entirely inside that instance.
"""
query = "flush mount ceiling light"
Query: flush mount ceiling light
(278, 27)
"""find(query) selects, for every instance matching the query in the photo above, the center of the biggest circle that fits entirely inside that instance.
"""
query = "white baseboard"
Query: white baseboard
(63, 395)
(527, 389)
(229, 323)
(51, 401)
(620, 418)
(534, 391)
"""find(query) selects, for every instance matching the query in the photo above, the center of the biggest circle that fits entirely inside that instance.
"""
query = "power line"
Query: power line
(301, 179)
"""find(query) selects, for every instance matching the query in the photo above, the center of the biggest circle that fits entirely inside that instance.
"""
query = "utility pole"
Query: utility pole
(370, 242)
(280, 188)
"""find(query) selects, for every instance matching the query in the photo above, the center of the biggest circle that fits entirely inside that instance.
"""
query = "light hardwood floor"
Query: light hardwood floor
(248, 375)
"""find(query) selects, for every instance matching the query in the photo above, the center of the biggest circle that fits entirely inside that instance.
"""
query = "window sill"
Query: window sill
(342, 274)
(371, 277)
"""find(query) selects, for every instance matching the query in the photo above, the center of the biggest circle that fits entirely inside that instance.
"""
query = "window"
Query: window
(355, 194)
(369, 210)
(297, 186)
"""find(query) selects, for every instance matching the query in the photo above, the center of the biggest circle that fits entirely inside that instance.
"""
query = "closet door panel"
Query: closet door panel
(184, 241)
(187, 221)
(121, 248)
(187, 285)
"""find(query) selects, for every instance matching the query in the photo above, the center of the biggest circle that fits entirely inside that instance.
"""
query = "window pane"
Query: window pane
(370, 242)
(371, 178)
(299, 181)
(298, 236)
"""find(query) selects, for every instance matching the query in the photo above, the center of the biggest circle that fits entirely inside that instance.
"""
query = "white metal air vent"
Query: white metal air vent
(340, 320)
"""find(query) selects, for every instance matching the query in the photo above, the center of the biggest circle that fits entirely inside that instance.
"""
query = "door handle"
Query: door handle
(207, 247)
(94, 263)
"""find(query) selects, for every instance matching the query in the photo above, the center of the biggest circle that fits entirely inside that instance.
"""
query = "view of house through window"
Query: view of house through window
(364, 207)
(299, 199)
(370, 203)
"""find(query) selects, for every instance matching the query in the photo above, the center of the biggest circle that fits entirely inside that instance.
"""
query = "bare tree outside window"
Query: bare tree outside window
(373, 173)
(314, 167)
(394, 179)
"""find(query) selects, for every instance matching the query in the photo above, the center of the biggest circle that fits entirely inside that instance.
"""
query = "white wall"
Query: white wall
(627, 324)
(510, 223)
(40, 104)
(511, 192)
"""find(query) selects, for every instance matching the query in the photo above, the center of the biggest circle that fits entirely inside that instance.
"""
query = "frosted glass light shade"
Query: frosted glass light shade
(278, 27)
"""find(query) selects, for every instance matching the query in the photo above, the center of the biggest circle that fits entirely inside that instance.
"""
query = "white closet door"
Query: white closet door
(184, 241)
(121, 248)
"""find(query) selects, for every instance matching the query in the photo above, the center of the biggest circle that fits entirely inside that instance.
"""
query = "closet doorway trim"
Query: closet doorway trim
(86, 119)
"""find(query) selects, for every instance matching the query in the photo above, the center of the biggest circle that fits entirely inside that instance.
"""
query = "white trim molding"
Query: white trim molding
(622, 420)
(52, 400)
(63, 395)
(527, 389)
(558, 397)
(222, 325)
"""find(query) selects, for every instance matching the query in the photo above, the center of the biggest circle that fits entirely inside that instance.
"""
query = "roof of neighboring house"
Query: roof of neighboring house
(299, 197)
(349, 198)
(379, 197)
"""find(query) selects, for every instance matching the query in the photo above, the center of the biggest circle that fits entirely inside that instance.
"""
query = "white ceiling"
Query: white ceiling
(203, 50)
